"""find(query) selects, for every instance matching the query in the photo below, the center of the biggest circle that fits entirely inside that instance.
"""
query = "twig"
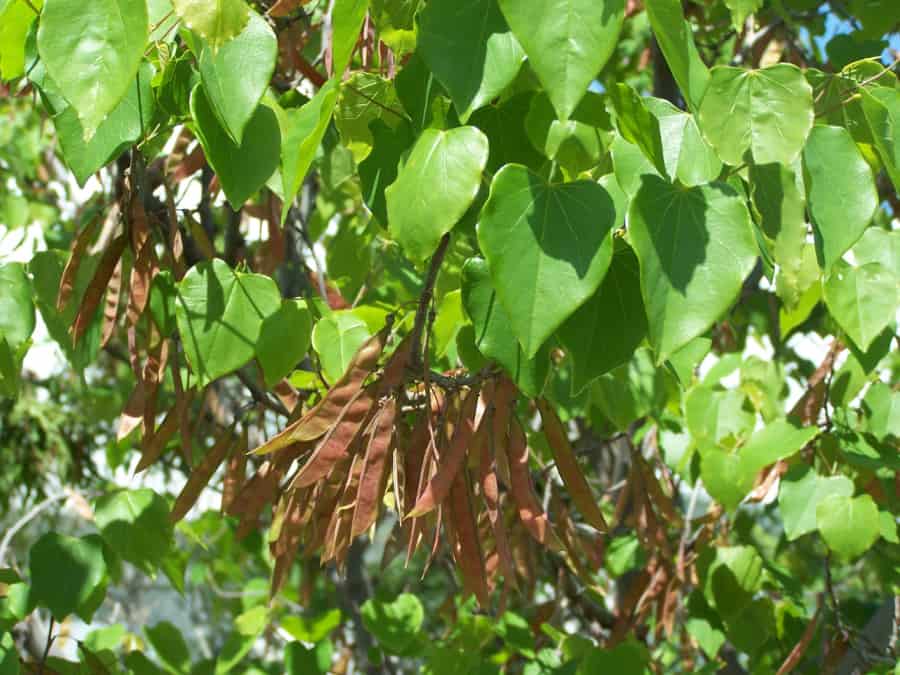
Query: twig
(33, 8)
(50, 639)
(425, 300)
(260, 397)
(832, 596)
(24, 520)
(800, 648)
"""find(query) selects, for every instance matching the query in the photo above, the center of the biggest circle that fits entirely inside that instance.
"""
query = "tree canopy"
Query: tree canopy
(504, 336)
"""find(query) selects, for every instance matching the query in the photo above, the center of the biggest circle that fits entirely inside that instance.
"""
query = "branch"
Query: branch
(425, 301)
(24, 520)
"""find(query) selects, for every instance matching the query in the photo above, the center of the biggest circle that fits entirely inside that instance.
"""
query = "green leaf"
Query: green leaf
(730, 475)
(768, 112)
(220, 314)
(284, 339)
(379, 169)
(16, 18)
(725, 477)
(567, 42)
(505, 125)
(46, 268)
(169, 646)
(470, 50)
(395, 20)
(686, 154)
(216, 21)
(493, 332)
(577, 144)
(849, 525)
(629, 656)
(881, 109)
(604, 332)
(16, 307)
(883, 408)
(630, 164)
(249, 626)
(92, 52)
(863, 295)
(730, 576)
(740, 10)
(394, 624)
(66, 574)
(312, 629)
(435, 187)
(632, 390)
(695, 247)
(366, 97)
(300, 660)
(9, 655)
(624, 553)
(842, 194)
(336, 338)
(801, 491)
(713, 414)
(135, 524)
(548, 247)
(676, 40)
(777, 440)
(125, 125)
(235, 76)
(346, 21)
(638, 125)
(302, 130)
(242, 169)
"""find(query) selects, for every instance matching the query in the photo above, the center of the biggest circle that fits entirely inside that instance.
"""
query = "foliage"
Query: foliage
(542, 336)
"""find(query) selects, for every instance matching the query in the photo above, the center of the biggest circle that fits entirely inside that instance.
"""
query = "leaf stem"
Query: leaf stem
(33, 8)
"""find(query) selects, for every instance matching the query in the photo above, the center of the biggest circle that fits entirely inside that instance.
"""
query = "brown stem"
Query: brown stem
(46, 647)
(425, 300)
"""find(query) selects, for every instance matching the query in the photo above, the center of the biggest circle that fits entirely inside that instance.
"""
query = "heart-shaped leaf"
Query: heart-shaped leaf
(842, 194)
(435, 187)
(863, 295)
(604, 332)
(548, 247)
(768, 112)
(470, 49)
(67, 573)
(242, 169)
(124, 125)
(849, 525)
(92, 51)
(235, 76)
(216, 21)
(801, 491)
(284, 339)
(220, 313)
(302, 130)
(567, 42)
(695, 248)
(676, 40)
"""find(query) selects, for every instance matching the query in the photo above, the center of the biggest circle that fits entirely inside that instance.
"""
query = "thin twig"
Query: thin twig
(24, 520)
(33, 8)
(832, 596)
(259, 396)
(425, 301)
(50, 639)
